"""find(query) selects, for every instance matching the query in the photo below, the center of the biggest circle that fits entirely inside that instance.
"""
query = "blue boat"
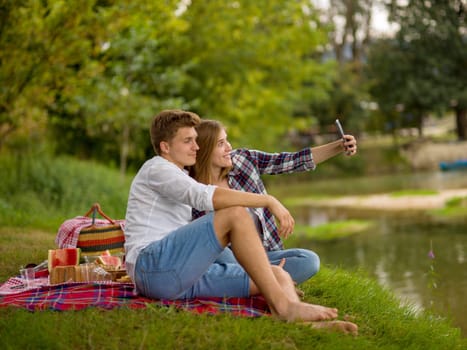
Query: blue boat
(456, 165)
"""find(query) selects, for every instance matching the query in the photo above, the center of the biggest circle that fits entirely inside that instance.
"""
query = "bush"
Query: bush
(41, 191)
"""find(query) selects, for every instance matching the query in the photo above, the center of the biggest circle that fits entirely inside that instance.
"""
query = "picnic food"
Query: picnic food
(63, 257)
(109, 260)
(61, 274)
(79, 273)
(124, 279)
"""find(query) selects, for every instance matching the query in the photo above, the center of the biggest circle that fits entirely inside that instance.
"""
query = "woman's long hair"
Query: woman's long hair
(208, 134)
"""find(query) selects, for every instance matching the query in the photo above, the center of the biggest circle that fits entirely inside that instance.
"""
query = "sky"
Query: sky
(379, 22)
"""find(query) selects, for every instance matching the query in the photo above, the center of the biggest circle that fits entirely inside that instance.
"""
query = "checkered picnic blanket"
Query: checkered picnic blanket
(109, 295)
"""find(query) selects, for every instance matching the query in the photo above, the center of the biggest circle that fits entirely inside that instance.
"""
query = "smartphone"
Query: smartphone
(341, 134)
(339, 128)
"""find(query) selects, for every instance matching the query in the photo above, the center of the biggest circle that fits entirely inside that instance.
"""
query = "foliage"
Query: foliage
(347, 100)
(138, 76)
(349, 36)
(88, 75)
(261, 65)
(42, 192)
(43, 46)
(352, 28)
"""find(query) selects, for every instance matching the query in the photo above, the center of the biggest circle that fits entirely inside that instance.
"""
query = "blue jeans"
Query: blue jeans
(301, 264)
(183, 265)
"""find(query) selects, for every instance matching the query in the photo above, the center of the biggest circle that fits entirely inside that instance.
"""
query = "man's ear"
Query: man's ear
(164, 146)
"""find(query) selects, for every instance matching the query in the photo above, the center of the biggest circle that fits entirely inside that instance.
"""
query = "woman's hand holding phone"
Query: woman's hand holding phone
(350, 144)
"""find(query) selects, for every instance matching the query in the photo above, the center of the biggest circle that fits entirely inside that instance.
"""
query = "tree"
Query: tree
(96, 71)
(137, 77)
(355, 30)
(349, 37)
(252, 63)
(43, 44)
(432, 41)
(387, 72)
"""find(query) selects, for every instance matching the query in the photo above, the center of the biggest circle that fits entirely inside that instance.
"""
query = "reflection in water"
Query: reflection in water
(395, 252)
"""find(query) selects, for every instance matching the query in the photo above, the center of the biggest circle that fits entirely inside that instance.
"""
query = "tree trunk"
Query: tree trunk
(420, 120)
(124, 148)
(461, 123)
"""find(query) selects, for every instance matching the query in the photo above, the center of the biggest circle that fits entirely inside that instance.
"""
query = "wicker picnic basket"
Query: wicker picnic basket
(95, 240)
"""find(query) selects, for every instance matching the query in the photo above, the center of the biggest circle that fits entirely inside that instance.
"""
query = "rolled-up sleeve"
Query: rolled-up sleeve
(177, 186)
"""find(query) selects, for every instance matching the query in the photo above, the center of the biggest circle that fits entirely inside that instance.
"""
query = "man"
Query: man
(170, 256)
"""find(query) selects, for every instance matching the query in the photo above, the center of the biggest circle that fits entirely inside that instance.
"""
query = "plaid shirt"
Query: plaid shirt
(248, 166)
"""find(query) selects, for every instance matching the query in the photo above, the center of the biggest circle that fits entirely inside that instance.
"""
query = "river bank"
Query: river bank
(388, 201)
(412, 216)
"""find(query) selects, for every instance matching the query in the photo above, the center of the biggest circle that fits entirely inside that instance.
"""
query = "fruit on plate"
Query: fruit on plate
(63, 257)
(109, 260)
(105, 253)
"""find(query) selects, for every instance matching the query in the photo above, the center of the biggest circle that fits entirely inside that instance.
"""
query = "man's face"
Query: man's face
(221, 153)
(182, 149)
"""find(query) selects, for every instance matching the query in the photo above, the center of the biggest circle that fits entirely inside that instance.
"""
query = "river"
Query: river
(423, 262)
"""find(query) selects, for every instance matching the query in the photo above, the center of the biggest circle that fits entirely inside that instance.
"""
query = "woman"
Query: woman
(240, 169)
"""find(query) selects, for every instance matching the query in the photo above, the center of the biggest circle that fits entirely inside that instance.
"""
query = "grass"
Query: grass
(331, 230)
(384, 323)
(414, 192)
(455, 209)
(39, 191)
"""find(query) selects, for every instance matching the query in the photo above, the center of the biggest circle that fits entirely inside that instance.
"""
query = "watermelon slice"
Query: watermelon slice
(105, 253)
(63, 257)
(109, 260)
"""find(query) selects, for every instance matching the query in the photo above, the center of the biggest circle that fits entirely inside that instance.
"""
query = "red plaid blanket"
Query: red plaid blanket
(77, 296)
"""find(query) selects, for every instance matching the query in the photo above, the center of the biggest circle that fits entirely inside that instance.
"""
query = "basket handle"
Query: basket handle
(96, 208)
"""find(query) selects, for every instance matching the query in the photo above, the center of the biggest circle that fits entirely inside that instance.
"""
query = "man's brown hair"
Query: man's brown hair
(165, 125)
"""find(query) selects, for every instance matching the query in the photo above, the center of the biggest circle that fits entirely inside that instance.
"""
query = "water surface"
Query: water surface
(396, 250)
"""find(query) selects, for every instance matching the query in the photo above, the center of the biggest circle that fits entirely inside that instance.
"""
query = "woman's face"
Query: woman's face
(221, 152)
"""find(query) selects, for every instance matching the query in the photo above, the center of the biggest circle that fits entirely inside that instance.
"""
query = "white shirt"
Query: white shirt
(160, 200)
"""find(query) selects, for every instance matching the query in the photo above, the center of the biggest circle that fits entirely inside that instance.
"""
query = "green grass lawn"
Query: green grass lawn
(414, 192)
(384, 323)
(329, 231)
(455, 209)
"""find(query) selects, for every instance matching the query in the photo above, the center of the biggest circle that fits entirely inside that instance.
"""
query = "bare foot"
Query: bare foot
(300, 293)
(338, 326)
(300, 311)
(348, 317)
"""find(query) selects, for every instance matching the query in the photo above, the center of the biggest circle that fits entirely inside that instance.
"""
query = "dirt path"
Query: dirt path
(388, 202)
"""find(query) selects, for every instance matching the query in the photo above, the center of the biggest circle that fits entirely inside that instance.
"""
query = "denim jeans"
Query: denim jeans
(182, 265)
(301, 264)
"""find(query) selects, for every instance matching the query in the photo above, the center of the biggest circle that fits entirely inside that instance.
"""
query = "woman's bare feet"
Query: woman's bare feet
(302, 312)
(300, 293)
(345, 327)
